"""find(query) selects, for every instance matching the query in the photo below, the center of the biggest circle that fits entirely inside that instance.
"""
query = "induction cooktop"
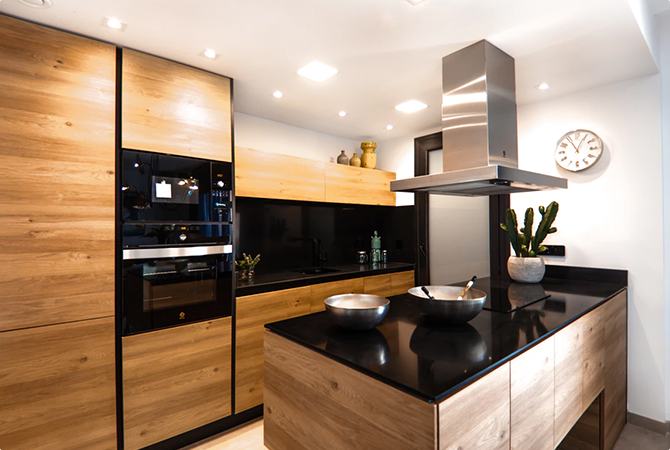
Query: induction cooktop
(506, 295)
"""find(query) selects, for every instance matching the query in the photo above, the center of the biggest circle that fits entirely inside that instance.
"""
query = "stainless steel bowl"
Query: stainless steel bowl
(446, 307)
(357, 311)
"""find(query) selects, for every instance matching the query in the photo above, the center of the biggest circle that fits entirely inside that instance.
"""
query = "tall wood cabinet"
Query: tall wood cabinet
(57, 109)
(171, 108)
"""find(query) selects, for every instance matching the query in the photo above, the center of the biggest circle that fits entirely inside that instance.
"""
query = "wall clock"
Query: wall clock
(578, 150)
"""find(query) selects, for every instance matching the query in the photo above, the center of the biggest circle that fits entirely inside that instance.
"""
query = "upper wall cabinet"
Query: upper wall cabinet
(172, 108)
(272, 175)
(57, 99)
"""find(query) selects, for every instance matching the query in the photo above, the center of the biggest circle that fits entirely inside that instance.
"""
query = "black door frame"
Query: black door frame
(499, 245)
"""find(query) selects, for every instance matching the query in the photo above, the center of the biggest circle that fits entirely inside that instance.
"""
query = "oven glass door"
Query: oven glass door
(169, 189)
(160, 291)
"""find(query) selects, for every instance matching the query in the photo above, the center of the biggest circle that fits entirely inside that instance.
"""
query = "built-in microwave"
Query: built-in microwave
(169, 189)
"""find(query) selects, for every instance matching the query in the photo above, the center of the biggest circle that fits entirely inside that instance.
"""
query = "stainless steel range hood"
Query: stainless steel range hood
(479, 130)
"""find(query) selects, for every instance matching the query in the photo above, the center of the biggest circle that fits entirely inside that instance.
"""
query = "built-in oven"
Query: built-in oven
(169, 189)
(169, 286)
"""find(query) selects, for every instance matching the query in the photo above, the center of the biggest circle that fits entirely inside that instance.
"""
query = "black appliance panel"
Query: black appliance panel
(138, 235)
(160, 292)
(165, 188)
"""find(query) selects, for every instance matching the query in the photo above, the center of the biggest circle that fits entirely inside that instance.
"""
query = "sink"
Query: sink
(317, 270)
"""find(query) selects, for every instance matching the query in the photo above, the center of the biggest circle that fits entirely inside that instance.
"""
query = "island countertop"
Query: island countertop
(432, 361)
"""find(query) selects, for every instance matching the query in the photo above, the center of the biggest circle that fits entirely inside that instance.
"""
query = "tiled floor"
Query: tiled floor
(250, 437)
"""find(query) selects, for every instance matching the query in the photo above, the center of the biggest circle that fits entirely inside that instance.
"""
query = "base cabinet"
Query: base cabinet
(57, 387)
(175, 380)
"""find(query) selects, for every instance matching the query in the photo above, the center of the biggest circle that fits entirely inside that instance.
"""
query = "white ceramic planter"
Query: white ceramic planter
(525, 270)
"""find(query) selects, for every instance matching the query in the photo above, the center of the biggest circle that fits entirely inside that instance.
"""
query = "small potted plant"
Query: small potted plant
(246, 266)
(527, 266)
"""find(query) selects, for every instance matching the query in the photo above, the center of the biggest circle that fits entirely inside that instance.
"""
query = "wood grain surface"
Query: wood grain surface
(616, 338)
(57, 102)
(175, 380)
(312, 402)
(532, 398)
(568, 378)
(478, 417)
(271, 175)
(378, 285)
(320, 292)
(171, 108)
(593, 326)
(57, 387)
(347, 184)
(401, 282)
(252, 313)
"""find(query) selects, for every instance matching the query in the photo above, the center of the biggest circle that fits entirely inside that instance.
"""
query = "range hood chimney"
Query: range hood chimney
(479, 130)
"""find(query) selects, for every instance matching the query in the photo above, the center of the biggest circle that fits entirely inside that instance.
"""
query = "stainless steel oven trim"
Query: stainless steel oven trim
(176, 252)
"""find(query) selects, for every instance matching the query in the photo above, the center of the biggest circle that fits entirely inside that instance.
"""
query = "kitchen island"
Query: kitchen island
(517, 380)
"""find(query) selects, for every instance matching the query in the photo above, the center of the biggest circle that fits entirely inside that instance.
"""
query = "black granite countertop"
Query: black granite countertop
(432, 361)
(264, 282)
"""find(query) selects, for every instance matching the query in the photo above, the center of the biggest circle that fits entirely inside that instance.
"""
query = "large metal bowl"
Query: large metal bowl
(446, 307)
(357, 311)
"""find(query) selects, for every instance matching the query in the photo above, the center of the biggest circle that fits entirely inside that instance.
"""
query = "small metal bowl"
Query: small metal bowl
(446, 307)
(357, 311)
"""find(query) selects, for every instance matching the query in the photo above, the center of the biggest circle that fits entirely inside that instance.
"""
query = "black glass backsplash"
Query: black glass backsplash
(283, 231)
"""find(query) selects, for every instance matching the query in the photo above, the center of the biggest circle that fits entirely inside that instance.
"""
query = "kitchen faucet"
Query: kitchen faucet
(316, 253)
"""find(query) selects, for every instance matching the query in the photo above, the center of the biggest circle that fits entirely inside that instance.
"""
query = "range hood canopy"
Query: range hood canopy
(479, 130)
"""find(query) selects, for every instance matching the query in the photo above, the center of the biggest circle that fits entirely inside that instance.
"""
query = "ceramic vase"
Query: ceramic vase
(525, 270)
(355, 161)
(369, 157)
(342, 159)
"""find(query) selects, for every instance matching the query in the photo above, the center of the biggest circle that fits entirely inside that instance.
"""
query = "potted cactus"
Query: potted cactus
(527, 266)
(246, 267)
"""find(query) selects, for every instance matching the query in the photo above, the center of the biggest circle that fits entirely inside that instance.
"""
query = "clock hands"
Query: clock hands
(580, 144)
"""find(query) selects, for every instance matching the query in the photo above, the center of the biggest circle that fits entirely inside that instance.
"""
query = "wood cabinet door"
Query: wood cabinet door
(478, 417)
(568, 378)
(532, 398)
(320, 292)
(58, 387)
(401, 282)
(378, 285)
(271, 175)
(175, 380)
(252, 313)
(616, 375)
(347, 184)
(57, 110)
(593, 328)
(168, 107)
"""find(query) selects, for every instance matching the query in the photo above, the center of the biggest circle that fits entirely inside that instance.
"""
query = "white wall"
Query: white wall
(274, 137)
(611, 215)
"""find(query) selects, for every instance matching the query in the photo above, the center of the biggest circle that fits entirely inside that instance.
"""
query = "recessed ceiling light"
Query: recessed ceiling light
(543, 86)
(415, 2)
(411, 106)
(342, 113)
(389, 127)
(317, 71)
(37, 3)
(114, 23)
(278, 94)
(209, 53)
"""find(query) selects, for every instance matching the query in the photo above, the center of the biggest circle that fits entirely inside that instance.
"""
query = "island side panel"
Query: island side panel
(615, 368)
(478, 417)
(314, 402)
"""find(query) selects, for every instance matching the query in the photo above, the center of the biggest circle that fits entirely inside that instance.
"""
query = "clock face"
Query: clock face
(578, 150)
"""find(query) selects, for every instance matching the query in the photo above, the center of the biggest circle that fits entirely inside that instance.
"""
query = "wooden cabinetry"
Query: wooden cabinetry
(532, 398)
(254, 311)
(568, 379)
(56, 176)
(272, 175)
(346, 184)
(57, 386)
(478, 417)
(175, 380)
(172, 108)
(615, 313)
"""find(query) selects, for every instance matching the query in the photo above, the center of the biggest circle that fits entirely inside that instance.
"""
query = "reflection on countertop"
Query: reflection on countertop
(264, 282)
(430, 360)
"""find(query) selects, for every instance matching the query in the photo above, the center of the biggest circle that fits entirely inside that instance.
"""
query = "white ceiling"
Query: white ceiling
(386, 51)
